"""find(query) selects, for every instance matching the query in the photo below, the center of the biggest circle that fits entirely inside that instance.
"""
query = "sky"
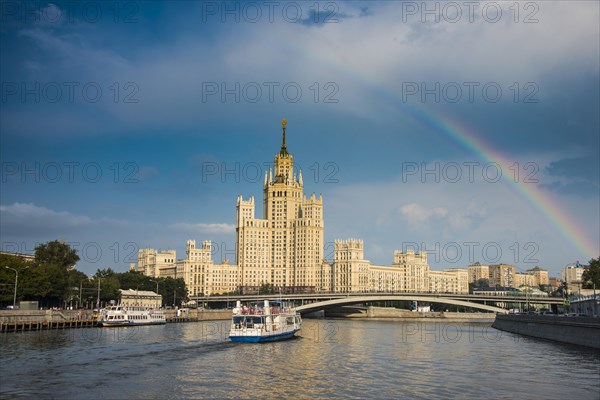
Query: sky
(467, 130)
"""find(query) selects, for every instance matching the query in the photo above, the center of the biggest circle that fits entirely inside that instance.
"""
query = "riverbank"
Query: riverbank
(377, 313)
(35, 320)
(580, 331)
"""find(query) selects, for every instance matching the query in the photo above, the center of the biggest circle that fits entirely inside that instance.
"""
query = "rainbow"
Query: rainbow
(536, 197)
(463, 137)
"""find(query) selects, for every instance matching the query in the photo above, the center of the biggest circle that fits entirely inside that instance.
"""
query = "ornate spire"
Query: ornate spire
(283, 150)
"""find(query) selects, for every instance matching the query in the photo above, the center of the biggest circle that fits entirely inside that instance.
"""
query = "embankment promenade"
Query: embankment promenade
(35, 320)
(583, 331)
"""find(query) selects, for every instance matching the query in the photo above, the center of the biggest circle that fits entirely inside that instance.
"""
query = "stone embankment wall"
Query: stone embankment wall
(388, 312)
(12, 316)
(581, 331)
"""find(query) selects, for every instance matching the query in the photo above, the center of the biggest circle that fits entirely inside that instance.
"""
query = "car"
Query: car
(548, 314)
(12, 307)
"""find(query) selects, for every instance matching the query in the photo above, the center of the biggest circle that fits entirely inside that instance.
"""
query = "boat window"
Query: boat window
(238, 320)
(257, 320)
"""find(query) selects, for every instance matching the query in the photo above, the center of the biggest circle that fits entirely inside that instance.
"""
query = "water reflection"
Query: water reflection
(332, 359)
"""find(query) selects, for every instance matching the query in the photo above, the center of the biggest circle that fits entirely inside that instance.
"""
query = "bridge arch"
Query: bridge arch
(323, 305)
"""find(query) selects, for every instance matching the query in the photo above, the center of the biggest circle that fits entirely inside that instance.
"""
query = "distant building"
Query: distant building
(140, 298)
(554, 282)
(540, 276)
(452, 280)
(26, 257)
(523, 280)
(502, 275)
(350, 269)
(158, 264)
(408, 273)
(284, 250)
(573, 276)
(478, 271)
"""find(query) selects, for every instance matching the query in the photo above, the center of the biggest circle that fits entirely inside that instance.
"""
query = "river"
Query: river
(332, 359)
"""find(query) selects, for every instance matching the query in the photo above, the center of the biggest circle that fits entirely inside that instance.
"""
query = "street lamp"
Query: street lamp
(152, 280)
(98, 298)
(16, 282)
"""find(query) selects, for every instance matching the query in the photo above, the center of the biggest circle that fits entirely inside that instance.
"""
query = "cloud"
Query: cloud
(485, 221)
(362, 55)
(417, 214)
(24, 218)
(586, 168)
(202, 228)
(576, 176)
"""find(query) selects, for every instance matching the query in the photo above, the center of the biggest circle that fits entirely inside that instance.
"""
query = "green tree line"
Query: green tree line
(53, 280)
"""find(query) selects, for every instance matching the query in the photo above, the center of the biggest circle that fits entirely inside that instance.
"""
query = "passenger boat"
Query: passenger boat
(269, 323)
(130, 315)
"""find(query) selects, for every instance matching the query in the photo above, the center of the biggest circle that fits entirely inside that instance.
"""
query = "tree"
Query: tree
(591, 276)
(563, 289)
(479, 284)
(267, 288)
(108, 281)
(7, 277)
(174, 289)
(135, 280)
(54, 272)
(56, 253)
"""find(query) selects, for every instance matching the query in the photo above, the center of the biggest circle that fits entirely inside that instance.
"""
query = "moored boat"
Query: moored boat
(131, 315)
(268, 323)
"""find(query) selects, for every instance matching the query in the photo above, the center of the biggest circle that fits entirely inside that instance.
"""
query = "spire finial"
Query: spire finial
(283, 147)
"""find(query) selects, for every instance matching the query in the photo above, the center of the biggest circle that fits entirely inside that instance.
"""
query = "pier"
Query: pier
(23, 326)
(34, 320)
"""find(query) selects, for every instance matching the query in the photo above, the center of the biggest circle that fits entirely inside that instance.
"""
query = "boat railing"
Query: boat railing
(261, 311)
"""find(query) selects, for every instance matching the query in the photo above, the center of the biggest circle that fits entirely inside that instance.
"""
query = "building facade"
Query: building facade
(573, 276)
(524, 280)
(157, 264)
(140, 298)
(284, 249)
(478, 271)
(502, 275)
(540, 276)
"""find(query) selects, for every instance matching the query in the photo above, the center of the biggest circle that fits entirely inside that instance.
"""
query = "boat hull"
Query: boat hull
(130, 316)
(129, 323)
(263, 338)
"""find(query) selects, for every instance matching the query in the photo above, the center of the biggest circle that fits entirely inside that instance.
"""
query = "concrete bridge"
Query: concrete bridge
(316, 302)
(345, 301)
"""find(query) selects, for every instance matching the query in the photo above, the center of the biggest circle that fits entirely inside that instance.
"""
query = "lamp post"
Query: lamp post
(152, 280)
(16, 282)
(98, 298)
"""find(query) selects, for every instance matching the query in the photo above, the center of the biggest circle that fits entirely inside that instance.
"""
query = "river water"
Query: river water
(332, 359)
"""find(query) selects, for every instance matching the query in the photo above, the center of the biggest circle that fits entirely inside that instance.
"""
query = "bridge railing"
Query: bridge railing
(321, 296)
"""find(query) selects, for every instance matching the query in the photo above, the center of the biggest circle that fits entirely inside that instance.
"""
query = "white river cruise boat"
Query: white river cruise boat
(131, 315)
(269, 323)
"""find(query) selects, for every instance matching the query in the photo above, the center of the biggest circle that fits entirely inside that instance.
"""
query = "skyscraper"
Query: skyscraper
(285, 247)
